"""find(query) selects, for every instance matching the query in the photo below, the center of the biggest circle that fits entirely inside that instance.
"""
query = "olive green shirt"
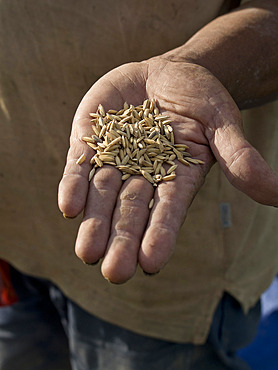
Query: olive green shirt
(51, 52)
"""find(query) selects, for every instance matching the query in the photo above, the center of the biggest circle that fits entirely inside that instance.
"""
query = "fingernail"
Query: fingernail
(67, 217)
(91, 263)
(111, 282)
(150, 273)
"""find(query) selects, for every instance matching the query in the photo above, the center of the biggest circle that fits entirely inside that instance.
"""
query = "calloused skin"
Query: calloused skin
(118, 226)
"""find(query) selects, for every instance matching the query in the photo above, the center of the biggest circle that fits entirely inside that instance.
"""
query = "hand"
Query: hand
(118, 225)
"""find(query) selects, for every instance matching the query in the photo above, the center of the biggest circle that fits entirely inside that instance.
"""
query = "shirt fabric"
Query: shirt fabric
(51, 53)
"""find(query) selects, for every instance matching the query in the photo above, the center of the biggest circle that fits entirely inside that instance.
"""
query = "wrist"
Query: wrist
(239, 49)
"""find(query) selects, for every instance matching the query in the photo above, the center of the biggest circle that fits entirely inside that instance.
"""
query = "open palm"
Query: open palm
(118, 225)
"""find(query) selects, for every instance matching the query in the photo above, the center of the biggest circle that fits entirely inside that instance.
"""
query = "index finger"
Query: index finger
(171, 203)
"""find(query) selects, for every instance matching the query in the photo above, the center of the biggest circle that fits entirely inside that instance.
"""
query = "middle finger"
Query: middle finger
(128, 225)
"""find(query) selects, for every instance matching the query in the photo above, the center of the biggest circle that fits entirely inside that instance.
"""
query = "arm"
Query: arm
(241, 50)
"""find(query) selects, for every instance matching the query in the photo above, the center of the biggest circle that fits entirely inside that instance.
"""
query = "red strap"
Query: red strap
(7, 292)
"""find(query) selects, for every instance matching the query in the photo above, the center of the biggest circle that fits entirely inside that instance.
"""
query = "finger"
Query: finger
(73, 187)
(94, 230)
(129, 222)
(172, 200)
(244, 167)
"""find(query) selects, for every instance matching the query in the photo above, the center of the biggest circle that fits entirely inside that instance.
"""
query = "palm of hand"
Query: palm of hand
(117, 223)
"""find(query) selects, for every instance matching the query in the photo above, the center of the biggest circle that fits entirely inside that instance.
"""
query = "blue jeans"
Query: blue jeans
(45, 330)
(262, 353)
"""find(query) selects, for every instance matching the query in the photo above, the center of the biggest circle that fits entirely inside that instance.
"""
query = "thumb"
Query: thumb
(244, 166)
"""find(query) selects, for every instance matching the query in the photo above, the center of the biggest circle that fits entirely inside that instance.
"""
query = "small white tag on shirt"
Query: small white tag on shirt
(226, 215)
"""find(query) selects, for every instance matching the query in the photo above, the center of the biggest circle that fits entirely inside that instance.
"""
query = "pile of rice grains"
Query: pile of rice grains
(137, 141)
